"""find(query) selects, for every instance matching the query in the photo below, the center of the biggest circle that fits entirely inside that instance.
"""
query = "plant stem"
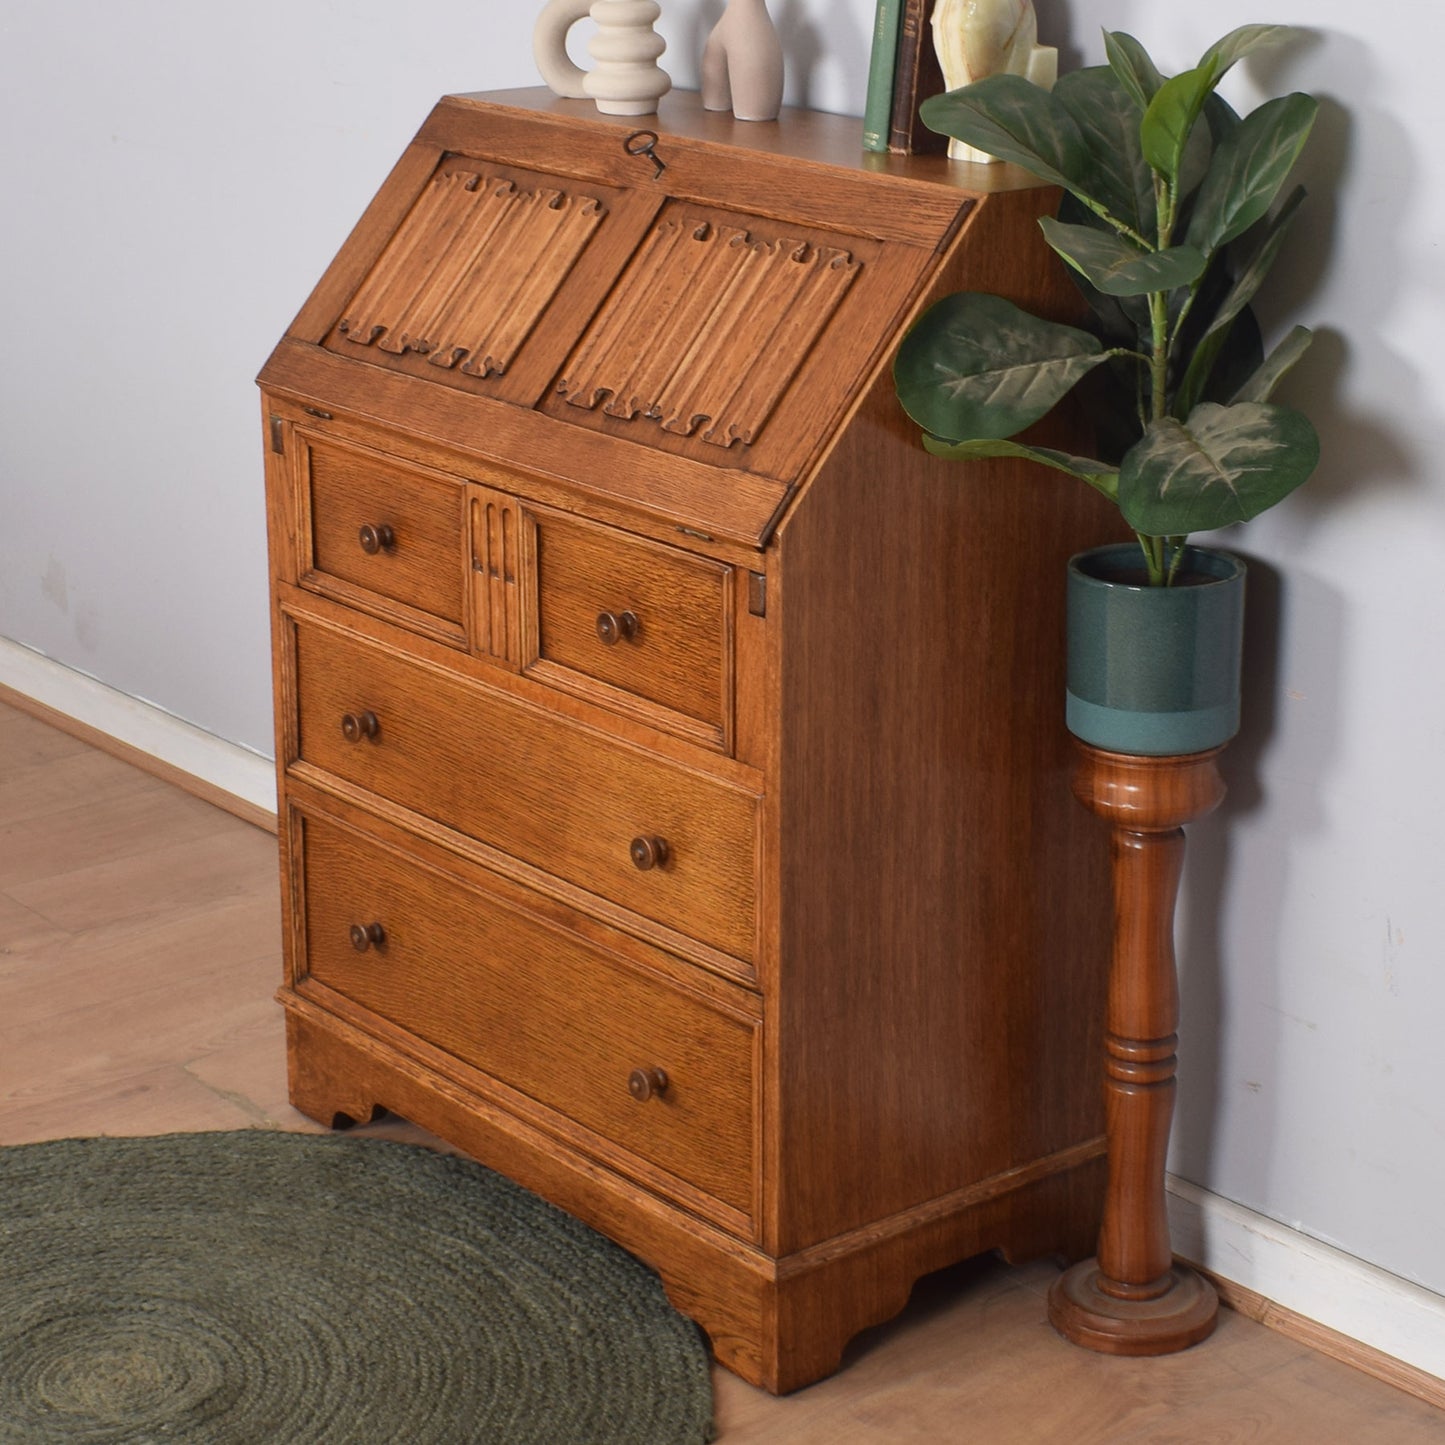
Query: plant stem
(1153, 558)
(1156, 549)
(1159, 360)
(1105, 214)
(1159, 304)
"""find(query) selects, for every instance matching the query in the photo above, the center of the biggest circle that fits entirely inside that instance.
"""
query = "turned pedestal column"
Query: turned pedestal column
(1133, 1299)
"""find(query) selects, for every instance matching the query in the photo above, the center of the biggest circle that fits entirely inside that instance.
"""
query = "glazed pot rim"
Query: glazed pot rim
(1221, 566)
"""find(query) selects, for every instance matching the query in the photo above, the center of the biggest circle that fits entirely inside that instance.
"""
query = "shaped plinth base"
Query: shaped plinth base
(1182, 1315)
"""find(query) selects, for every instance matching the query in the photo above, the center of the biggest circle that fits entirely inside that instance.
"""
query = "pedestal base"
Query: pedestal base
(1182, 1316)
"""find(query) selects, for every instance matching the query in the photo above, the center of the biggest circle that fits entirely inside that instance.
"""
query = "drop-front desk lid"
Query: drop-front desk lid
(678, 323)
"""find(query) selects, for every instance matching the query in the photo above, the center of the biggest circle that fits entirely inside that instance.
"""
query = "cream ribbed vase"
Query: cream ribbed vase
(742, 63)
(627, 79)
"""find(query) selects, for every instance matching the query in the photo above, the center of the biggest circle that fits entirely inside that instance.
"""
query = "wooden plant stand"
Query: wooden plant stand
(1133, 1299)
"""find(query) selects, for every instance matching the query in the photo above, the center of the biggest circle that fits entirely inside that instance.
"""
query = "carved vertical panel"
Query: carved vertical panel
(706, 328)
(471, 269)
(496, 570)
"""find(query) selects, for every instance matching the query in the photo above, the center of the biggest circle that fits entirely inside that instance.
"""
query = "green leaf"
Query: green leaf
(1225, 464)
(978, 366)
(1239, 43)
(1261, 385)
(1118, 267)
(1086, 469)
(1239, 358)
(1248, 170)
(1131, 63)
(1221, 118)
(1220, 122)
(1170, 118)
(1016, 121)
(1239, 295)
(1122, 320)
(1108, 120)
(1266, 241)
(1172, 110)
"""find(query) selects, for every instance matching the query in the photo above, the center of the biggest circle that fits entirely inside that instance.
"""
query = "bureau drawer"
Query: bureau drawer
(544, 1011)
(633, 623)
(387, 534)
(647, 833)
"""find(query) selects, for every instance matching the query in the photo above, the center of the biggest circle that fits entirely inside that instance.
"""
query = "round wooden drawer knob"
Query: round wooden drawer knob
(649, 852)
(377, 538)
(358, 725)
(367, 935)
(645, 1084)
(614, 627)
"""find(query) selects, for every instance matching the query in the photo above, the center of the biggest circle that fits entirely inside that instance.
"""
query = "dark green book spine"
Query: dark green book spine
(878, 103)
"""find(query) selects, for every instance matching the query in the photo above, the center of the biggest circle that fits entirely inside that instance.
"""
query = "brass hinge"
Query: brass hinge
(278, 436)
(758, 594)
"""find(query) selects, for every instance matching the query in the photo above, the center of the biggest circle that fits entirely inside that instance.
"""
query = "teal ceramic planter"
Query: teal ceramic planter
(1154, 670)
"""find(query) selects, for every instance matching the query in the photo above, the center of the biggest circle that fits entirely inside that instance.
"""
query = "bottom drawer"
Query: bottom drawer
(666, 1075)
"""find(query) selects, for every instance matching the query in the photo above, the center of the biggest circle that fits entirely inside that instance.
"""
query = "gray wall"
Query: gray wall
(174, 176)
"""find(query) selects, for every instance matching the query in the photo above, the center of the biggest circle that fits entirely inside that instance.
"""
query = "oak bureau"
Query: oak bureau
(674, 791)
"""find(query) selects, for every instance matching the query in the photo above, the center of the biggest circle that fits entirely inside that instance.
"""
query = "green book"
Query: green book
(878, 103)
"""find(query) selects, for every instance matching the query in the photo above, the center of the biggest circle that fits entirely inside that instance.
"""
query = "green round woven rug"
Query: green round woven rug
(259, 1288)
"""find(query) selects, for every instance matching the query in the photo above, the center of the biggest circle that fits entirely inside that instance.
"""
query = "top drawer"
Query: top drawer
(637, 626)
(383, 536)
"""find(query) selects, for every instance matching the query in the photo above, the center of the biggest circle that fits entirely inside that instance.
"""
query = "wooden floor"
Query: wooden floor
(139, 950)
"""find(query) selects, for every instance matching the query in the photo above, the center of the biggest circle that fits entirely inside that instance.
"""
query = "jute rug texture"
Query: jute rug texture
(260, 1288)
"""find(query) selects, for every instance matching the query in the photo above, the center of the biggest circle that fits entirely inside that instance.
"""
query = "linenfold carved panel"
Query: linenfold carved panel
(707, 325)
(471, 269)
(496, 548)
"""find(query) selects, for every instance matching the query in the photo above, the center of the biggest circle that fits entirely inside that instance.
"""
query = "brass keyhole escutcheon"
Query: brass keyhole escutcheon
(644, 143)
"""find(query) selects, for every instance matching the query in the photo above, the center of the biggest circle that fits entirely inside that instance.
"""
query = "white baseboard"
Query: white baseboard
(225, 766)
(1324, 1284)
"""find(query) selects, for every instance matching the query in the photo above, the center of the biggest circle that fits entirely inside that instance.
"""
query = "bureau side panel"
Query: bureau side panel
(943, 901)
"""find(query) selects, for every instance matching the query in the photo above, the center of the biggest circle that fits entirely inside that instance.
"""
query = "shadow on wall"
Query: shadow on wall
(1296, 621)
(803, 41)
(1056, 28)
(686, 69)
(1355, 149)
(1216, 891)
(803, 46)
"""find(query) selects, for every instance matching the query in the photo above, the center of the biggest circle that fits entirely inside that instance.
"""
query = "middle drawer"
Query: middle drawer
(671, 844)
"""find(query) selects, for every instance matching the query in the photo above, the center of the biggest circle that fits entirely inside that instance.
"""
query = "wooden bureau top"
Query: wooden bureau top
(914, 199)
(807, 135)
(618, 299)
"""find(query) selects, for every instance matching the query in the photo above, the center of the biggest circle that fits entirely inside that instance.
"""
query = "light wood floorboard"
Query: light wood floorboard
(139, 951)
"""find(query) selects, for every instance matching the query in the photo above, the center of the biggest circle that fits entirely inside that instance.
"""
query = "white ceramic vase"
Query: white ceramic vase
(742, 63)
(627, 79)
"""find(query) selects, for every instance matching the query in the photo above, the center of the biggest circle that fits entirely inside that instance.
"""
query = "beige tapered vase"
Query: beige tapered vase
(742, 63)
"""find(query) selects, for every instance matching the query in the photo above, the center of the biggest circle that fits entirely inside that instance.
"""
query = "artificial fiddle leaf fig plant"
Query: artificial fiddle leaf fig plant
(1169, 224)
